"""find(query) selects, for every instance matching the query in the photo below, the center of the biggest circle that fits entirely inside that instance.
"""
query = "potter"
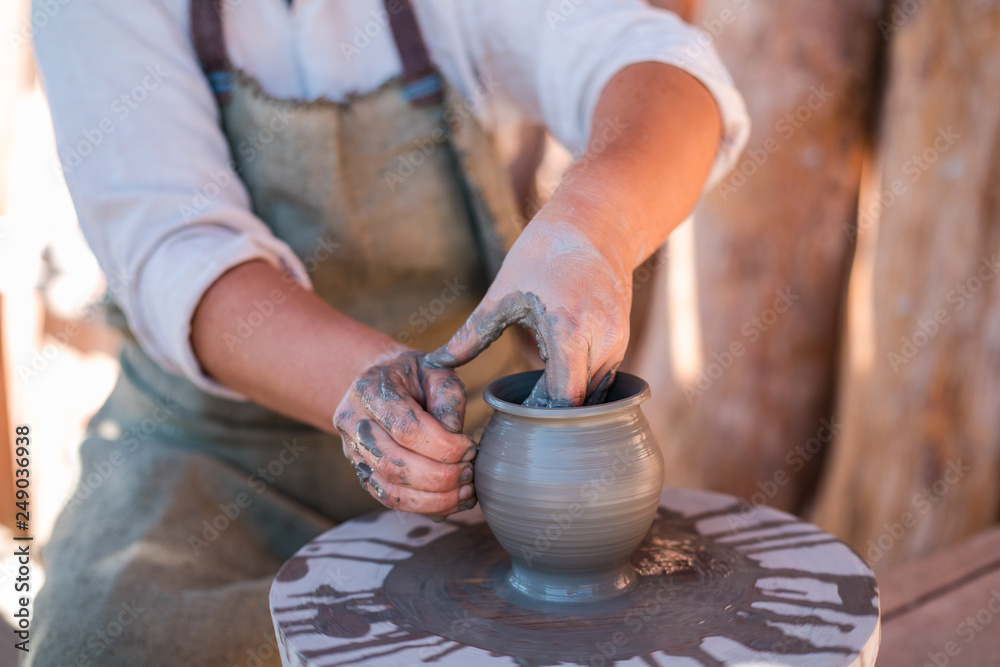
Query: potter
(293, 155)
(568, 492)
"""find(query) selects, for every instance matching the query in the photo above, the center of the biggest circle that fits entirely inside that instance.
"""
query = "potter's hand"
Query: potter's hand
(401, 423)
(575, 295)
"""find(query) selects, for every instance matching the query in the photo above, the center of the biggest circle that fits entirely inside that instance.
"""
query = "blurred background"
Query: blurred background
(823, 336)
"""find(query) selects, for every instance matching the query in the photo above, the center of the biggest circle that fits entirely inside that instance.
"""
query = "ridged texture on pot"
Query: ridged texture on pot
(568, 490)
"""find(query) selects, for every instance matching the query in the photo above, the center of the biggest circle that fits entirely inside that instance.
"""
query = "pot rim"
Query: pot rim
(636, 393)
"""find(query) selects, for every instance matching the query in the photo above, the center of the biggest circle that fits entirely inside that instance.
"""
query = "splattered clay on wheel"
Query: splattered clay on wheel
(717, 586)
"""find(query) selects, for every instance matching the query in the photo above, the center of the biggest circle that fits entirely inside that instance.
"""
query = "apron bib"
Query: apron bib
(401, 213)
(188, 503)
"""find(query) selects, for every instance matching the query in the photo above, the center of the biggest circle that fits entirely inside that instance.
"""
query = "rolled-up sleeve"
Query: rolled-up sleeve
(554, 57)
(149, 170)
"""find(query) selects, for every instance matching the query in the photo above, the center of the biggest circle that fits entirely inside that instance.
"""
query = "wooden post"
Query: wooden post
(742, 368)
(13, 59)
(915, 467)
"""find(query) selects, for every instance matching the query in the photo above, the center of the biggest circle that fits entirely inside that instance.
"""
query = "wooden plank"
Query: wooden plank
(920, 392)
(921, 582)
(957, 627)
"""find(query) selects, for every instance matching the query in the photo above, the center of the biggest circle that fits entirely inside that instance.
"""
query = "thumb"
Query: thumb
(484, 326)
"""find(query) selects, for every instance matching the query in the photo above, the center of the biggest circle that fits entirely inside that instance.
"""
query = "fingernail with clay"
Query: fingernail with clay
(470, 453)
(466, 475)
(465, 492)
(377, 489)
(440, 360)
(437, 519)
(468, 505)
(451, 421)
(364, 471)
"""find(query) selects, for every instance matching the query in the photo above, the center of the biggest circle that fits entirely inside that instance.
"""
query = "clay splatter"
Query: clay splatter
(366, 438)
(694, 589)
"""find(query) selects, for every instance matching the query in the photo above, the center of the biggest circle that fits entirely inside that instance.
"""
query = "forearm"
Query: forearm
(300, 360)
(654, 138)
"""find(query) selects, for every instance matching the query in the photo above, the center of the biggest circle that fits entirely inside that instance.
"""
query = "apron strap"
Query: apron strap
(210, 45)
(421, 80)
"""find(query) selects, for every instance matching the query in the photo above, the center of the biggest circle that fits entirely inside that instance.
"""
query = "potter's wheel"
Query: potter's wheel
(720, 584)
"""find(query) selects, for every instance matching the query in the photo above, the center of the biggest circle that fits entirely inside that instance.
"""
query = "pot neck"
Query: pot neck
(505, 395)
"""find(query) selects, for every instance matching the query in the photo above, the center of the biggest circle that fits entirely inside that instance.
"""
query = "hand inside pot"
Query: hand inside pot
(401, 424)
(574, 296)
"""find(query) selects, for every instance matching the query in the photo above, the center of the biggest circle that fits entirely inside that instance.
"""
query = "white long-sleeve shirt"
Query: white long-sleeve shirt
(139, 142)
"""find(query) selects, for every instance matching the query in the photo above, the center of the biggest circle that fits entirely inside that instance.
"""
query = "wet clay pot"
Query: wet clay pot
(568, 492)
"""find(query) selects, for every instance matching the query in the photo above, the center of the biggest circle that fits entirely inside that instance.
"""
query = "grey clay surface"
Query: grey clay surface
(569, 493)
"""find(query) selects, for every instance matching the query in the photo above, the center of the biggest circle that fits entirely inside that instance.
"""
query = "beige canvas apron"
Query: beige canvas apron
(188, 503)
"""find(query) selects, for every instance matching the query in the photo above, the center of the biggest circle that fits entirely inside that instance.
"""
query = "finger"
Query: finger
(600, 384)
(486, 323)
(464, 505)
(539, 396)
(567, 369)
(445, 397)
(395, 410)
(407, 499)
(393, 463)
(468, 342)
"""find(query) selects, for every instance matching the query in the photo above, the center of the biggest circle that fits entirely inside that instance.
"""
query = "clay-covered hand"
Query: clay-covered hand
(574, 295)
(401, 423)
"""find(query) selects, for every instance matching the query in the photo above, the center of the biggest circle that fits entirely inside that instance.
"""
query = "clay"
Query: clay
(574, 297)
(366, 438)
(364, 471)
(569, 493)
(385, 398)
(451, 411)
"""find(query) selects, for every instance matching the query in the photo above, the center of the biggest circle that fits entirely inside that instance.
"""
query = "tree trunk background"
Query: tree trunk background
(921, 403)
(781, 227)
